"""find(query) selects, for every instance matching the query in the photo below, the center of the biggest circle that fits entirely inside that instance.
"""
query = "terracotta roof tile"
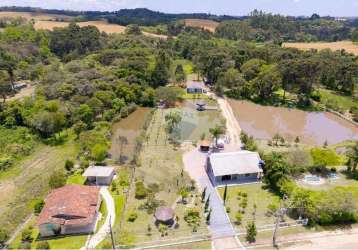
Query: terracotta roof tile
(70, 205)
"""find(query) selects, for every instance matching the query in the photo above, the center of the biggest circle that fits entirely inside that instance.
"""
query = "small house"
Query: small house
(234, 167)
(72, 209)
(195, 87)
(99, 175)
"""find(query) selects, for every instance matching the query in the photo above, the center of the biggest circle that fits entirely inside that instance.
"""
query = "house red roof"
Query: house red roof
(70, 205)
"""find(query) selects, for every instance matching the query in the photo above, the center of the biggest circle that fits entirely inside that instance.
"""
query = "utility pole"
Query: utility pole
(279, 214)
(110, 230)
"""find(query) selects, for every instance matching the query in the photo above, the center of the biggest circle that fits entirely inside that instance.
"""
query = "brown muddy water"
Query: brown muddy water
(125, 133)
(313, 128)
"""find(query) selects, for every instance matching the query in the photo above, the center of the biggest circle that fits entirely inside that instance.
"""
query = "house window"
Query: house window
(247, 175)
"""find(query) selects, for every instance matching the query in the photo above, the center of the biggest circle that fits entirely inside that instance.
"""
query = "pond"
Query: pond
(312, 128)
(124, 135)
(195, 123)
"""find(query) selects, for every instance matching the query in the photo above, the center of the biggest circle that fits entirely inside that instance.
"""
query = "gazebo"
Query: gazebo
(164, 215)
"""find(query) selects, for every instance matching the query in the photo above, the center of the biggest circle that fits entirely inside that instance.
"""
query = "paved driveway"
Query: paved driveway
(220, 226)
(102, 233)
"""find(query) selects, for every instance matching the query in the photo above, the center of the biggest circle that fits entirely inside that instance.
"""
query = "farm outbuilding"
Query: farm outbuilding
(99, 175)
(234, 167)
(72, 209)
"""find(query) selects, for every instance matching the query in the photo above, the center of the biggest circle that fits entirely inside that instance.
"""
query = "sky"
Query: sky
(230, 7)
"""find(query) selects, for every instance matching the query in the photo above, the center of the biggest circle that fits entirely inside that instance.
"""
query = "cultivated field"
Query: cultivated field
(35, 16)
(346, 45)
(202, 23)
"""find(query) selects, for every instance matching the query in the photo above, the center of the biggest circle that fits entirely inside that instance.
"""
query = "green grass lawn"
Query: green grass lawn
(76, 179)
(30, 182)
(344, 103)
(160, 165)
(255, 195)
(195, 245)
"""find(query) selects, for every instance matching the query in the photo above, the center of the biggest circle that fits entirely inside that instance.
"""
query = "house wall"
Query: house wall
(47, 230)
(104, 180)
(194, 90)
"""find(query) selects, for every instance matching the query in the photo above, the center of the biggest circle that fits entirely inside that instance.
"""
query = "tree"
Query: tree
(85, 114)
(48, 123)
(43, 245)
(161, 72)
(133, 29)
(267, 81)
(170, 95)
(78, 127)
(99, 152)
(26, 235)
(352, 155)
(180, 75)
(251, 232)
(122, 141)
(5, 85)
(355, 35)
(207, 203)
(183, 192)
(275, 170)
(216, 132)
(57, 180)
(225, 194)
(203, 195)
(8, 62)
(208, 217)
(172, 119)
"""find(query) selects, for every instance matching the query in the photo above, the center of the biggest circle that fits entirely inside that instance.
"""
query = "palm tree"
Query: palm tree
(216, 132)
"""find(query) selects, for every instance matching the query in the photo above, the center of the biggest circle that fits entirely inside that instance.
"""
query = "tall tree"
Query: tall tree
(8, 63)
(216, 132)
(161, 72)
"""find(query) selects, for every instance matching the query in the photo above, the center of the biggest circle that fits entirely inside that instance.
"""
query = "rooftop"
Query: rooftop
(195, 85)
(241, 162)
(97, 171)
(70, 205)
(164, 214)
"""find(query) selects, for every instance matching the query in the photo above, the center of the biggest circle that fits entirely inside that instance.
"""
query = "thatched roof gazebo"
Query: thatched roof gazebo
(164, 215)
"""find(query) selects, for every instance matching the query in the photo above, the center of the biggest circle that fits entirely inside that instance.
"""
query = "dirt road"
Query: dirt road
(232, 125)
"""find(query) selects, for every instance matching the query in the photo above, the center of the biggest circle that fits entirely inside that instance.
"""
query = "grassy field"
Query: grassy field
(342, 102)
(196, 245)
(255, 195)
(160, 166)
(70, 242)
(209, 25)
(346, 45)
(28, 180)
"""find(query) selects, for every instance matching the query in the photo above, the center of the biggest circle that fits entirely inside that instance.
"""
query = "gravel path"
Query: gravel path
(104, 231)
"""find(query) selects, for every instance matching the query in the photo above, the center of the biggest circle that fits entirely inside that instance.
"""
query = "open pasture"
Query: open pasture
(346, 45)
(209, 25)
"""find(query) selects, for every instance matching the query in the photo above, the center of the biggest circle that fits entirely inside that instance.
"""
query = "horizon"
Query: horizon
(342, 8)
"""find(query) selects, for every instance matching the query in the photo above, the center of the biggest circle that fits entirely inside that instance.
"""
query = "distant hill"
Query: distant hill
(140, 16)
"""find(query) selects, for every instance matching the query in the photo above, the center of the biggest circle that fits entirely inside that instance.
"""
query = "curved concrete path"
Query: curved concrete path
(104, 231)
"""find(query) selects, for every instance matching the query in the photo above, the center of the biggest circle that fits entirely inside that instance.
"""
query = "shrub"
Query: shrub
(140, 190)
(238, 218)
(39, 204)
(99, 152)
(251, 232)
(26, 235)
(192, 216)
(25, 245)
(132, 216)
(6, 162)
(228, 210)
(325, 157)
(57, 179)
(3, 237)
(69, 165)
(43, 245)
